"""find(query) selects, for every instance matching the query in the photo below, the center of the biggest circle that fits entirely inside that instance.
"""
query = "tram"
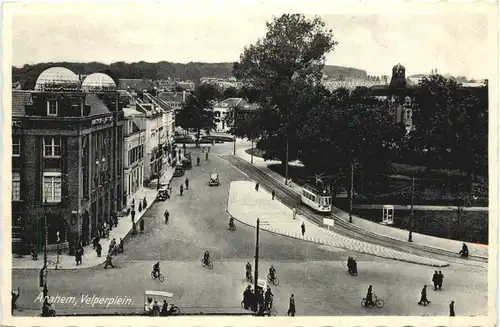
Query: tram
(318, 198)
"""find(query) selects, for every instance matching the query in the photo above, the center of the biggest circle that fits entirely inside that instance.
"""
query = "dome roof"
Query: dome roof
(57, 79)
(98, 82)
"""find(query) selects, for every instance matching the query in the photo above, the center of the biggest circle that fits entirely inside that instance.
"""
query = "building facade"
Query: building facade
(133, 152)
(67, 169)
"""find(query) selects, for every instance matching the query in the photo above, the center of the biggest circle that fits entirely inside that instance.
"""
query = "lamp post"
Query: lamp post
(256, 274)
(351, 192)
(411, 209)
(44, 270)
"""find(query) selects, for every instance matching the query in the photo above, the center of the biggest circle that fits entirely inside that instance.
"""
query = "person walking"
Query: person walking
(140, 206)
(291, 307)
(141, 225)
(98, 249)
(257, 186)
(452, 309)
(294, 213)
(132, 214)
(440, 279)
(435, 280)
(423, 297)
(273, 194)
(14, 298)
(167, 215)
(303, 228)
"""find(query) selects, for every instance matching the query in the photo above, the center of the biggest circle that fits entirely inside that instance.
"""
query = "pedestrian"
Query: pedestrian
(14, 298)
(108, 261)
(98, 249)
(120, 247)
(273, 194)
(440, 279)
(423, 297)
(452, 309)
(303, 227)
(257, 186)
(134, 228)
(291, 307)
(289, 182)
(133, 204)
(294, 212)
(144, 203)
(115, 217)
(140, 206)
(34, 254)
(78, 257)
(133, 215)
(435, 279)
(206, 156)
(166, 214)
(141, 225)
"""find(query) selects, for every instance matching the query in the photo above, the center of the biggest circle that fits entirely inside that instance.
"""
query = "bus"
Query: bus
(318, 198)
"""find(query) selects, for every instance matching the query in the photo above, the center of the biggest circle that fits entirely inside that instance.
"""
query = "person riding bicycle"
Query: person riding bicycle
(206, 257)
(156, 269)
(268, 296)
(248, 269)
(187, 183)
(272, 272)
(369, 297)
(231, 222)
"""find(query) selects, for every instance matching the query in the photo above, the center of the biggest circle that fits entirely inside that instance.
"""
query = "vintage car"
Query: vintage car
(186, 163)
(214, 180)
(163, 193)
(179, 170)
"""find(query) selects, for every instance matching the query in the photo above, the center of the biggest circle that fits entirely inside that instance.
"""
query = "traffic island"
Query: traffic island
(246, 204)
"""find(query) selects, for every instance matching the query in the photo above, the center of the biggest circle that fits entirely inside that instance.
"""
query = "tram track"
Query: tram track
(342, 227)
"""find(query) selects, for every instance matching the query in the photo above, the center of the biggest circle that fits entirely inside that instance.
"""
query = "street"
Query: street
(316, 274)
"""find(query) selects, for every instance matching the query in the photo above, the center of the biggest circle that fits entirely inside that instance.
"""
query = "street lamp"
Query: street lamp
(411, 209)
(256, 274)
(351, 192)
(47, 211)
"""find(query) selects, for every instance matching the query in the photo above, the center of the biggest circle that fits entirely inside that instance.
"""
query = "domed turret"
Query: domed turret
(57, 79)
(98, 82)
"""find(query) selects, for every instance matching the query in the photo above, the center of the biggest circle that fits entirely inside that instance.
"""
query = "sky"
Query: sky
(460, 42)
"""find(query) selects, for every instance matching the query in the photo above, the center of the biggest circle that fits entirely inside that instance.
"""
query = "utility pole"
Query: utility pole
(234, 144)
(351, 193)
(256, 274)
(286, 159)
(45, 290)
(411, 209)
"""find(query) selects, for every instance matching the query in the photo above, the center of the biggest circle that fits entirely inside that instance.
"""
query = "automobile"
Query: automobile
(179, 170)
(214, 180)
(187, 163)
(162, 193)
(188, 155)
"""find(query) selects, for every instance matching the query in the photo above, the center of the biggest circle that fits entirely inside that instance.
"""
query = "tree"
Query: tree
(281, 67)
(197, 112)
(230, 92)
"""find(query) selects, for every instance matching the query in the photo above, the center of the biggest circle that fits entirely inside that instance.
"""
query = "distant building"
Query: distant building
(135, 84)
(67, 166)
(223, 112)
(174, 99)
(133, 152)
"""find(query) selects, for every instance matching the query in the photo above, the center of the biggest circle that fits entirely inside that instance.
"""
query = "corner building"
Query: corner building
(67, 141)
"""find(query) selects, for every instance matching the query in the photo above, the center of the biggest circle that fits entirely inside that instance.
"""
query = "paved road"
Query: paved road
(314, 273)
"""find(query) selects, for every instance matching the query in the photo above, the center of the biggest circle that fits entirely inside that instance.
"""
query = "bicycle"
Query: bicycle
(379, 303)
(275, 281)
(160, 277)
(209, 264)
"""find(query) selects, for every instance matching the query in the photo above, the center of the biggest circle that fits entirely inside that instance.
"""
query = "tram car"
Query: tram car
(317, 198)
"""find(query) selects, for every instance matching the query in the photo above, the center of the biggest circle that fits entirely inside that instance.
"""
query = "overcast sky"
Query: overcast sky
(455, 41)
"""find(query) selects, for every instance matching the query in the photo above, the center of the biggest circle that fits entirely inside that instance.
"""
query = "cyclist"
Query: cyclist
(187, 184)
(182, 189)
(156, 269)
(268, 298)
(369, 297)
(206, 257)
(272, 272)
(231, 222)
(248, 268)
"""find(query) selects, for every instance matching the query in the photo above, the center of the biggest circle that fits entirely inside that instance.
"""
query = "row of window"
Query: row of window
(52, 184)
(323, 200)
(51, 146)
(135, 154)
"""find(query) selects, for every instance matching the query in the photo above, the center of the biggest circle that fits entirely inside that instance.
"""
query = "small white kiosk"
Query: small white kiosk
(387, 215)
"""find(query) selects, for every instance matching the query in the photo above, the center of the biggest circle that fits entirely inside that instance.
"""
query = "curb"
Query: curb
(359, 228)
(321, 243)
(52, 267)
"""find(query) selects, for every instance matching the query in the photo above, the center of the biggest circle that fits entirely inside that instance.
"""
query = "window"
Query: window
(408, 114)
(52, 147)
(52, 107)
(16, 186)
(52, 187)
(16, 146)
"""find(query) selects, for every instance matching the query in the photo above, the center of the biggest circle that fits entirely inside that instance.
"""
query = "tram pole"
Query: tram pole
(351, 193)
(256, 273)
(411, 209)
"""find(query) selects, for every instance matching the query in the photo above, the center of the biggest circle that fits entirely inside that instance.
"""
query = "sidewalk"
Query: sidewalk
(420, 207)
(246, 205)
(90, 258)
(479, 250)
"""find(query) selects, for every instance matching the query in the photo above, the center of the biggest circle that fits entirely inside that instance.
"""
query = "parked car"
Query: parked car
(214, 180)
(179, 170)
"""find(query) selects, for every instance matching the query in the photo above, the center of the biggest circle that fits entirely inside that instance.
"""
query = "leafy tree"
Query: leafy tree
(281, 67)
(231, 92)
(197, 112)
